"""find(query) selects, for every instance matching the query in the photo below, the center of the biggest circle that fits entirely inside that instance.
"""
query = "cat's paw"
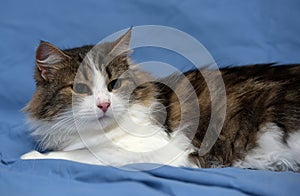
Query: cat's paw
(33, 155)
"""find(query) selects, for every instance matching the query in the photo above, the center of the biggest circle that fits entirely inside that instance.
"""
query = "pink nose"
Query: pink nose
(103, 106)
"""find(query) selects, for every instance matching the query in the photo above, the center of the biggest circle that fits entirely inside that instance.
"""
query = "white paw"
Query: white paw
(33, 155)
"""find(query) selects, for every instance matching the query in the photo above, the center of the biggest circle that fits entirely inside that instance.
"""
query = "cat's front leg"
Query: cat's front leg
(82, 156)
(33, 155)
(50, 155)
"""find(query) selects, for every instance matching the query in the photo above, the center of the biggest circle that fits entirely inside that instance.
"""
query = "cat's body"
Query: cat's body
(91, 117)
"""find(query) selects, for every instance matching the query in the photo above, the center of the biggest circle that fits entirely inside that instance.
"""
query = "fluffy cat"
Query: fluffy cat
(93, 105)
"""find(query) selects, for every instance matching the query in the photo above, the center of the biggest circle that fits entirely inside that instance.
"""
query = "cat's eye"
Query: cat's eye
(114, 84)
(82, 88)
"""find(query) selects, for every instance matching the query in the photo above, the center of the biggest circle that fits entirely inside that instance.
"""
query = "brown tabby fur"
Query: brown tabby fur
(256, 95)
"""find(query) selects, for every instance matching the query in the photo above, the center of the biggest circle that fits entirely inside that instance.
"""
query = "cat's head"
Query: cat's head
(93, 83)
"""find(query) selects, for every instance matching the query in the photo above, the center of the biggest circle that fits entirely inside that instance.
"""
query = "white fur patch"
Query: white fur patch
(272, 153)
(134, 139)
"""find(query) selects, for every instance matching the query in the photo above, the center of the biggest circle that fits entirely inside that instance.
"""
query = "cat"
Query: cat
(94, 105)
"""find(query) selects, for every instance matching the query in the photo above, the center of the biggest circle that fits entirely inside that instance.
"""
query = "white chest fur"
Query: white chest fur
(133, 139)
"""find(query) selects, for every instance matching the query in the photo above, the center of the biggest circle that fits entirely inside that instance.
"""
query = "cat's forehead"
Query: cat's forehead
(99, 59)
(97, 64)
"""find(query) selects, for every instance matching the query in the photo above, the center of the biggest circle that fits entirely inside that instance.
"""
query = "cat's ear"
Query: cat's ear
(121, 45)
(48, 59)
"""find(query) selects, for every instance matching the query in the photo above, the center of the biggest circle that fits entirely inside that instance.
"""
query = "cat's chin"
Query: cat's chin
(104, 118)
(105, 121)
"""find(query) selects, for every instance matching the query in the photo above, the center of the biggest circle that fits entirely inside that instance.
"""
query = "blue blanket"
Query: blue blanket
(234, 32)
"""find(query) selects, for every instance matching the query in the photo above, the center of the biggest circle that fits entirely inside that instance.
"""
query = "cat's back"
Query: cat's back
(265, 93)
(252, 80)
(261, 72)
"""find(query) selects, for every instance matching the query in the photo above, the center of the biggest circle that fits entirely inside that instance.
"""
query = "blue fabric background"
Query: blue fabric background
(235, 32)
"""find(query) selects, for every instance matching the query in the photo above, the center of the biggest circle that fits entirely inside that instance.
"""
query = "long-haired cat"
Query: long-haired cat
(93, 105)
